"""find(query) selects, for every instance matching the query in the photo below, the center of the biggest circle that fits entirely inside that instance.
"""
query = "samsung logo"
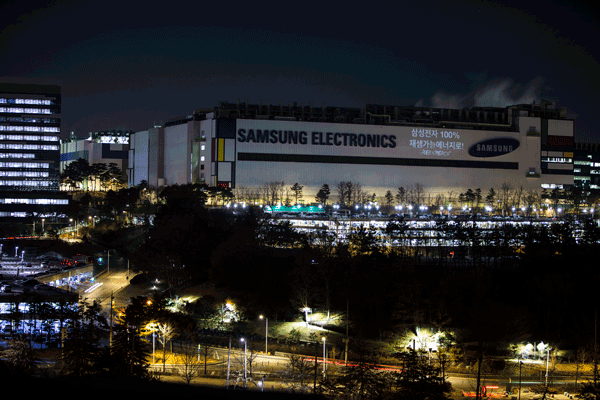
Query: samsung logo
(494, 147)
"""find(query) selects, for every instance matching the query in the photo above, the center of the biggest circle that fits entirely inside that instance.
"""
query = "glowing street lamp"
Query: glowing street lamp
(152, 326)
(16, 251)
(245, 373)
(306, 311)
(266, 333)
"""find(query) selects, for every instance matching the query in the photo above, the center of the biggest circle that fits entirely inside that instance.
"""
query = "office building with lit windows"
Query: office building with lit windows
(586, 167)
(246, 147)
(30, 120)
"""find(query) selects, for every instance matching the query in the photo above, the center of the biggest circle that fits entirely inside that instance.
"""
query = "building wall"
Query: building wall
(440, 160)
(248, 152)
(177, 164)
(138, 158)
(94, 152)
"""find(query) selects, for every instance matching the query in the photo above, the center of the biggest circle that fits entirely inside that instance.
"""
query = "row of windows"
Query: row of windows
(21, 110)
(27, 101)
(17, 155)
(582, 162)
(24, 165)
(551, 186)
(561, 160)
(33, 120)
(27, 183)
(15, 146)
(34, 201)
(35, 138)
(28, 174)
(20, 214)
(30, 128)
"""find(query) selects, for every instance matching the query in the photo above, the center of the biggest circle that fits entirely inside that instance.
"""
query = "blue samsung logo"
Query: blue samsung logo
(494, 147)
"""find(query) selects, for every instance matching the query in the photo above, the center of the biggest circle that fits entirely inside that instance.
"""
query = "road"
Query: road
(106, 285)
(116, 284)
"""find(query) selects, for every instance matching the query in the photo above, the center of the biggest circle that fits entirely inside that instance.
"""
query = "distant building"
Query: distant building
(30, 121)
(586, 168)
(99, 148)
(241, 146)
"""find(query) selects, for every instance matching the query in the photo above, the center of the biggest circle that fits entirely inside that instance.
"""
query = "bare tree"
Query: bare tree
(298, 375)
(166, 332)
(342, 191)
(419, 192)
(190, 363)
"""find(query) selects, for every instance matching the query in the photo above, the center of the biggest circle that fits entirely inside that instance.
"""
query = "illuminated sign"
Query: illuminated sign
(294, 209)
(434, 142)
(114, 139)
(494, 147)
(274, 136)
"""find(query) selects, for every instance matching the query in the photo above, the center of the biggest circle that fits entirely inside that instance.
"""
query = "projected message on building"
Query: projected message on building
(437, 143)
(359, 140)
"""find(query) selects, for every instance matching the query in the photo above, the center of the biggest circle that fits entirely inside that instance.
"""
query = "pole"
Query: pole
(324, 363)
(228, 362)
(315, 384)
(245, 370)
(520, 365)
(111, 319)
(547, 362)
(266, 335)
(347, 337)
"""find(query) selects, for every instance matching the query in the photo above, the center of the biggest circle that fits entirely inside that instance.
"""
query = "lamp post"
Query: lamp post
(16, 251)
(547, 362)
(245, 373)
(306, 311)
(152, 326)
(324, 363)
(266, 333)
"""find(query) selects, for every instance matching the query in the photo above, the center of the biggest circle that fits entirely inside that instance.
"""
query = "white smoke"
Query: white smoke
(496, 93)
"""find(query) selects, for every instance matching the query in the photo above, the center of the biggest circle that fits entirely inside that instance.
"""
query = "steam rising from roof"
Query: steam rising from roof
(495, 93)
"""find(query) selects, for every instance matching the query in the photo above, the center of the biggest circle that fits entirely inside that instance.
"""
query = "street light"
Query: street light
(324, 364)
(306, 311)
(16, 251)
(152, 326)
(266, 333)
(245, 349)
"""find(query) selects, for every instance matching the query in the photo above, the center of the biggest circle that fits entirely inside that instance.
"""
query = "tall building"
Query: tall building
(30, 120)
(442, 152)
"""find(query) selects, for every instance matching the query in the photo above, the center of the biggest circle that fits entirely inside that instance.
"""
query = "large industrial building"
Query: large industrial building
(248, 147)
(30, 120)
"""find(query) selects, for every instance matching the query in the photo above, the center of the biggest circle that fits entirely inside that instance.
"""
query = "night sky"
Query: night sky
(126, 67)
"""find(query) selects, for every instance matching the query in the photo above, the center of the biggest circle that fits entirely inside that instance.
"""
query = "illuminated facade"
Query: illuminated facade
(382, 148)
(587, 166)
(99, 148)
(30, 120)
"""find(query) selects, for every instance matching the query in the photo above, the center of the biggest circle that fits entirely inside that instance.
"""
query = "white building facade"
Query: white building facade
(381, 148)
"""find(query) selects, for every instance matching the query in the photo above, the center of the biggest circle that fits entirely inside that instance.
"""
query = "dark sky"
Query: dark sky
(125, 67)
